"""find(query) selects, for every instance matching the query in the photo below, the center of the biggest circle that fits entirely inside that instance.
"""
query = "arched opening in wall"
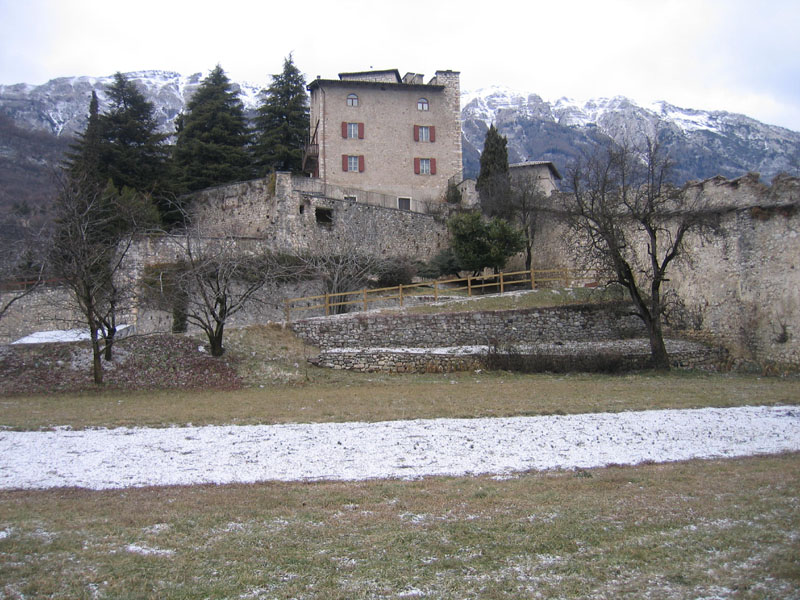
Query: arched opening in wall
(302, 209)
(324, 216)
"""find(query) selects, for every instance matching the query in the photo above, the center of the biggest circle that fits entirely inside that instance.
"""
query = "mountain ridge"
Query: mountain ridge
(703, 143)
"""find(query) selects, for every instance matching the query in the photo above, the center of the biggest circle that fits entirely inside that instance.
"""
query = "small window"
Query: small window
(351, 198)
(352, 164)
(302, 209)
(404, 203)
(424, 133)
(422, 104)
(324, 216)
(352, 100)
(424, 166)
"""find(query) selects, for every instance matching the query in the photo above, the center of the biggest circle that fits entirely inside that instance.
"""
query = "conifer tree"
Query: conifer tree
(493, 182)
(211, 148)
(132, 151)
(83, 159)
(282, 123)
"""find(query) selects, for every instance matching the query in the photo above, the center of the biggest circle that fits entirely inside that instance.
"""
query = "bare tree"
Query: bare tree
(342, 261)
(93, 231)
(525, 207)
(22, 262)
(216, 278)
(632, 222)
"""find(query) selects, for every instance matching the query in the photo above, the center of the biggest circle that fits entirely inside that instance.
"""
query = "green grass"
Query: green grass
(369, 397)
(685, 530)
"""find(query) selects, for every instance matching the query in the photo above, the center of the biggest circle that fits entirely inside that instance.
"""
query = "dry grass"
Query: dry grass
(364, 397)
(710, 529)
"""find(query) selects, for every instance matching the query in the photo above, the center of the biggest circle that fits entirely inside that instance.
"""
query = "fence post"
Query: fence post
(502, 287)
(435, 291)
(365, 299)
(401, 294)
(327, 304)
(533, 281)
(469, 286)
(288, 311)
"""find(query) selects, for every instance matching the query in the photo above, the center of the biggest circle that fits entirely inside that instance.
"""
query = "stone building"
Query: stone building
(375, 131)
(542, 173)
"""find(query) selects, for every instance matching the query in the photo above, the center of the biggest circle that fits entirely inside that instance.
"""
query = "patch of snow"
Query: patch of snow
(65, 335)
(131, 457)
(147, 551)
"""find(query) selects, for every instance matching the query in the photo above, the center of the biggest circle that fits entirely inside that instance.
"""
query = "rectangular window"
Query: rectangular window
(425, 166)
(351, 198)
(353, 164)
(424, 133)
(352, 131)
(404, 203)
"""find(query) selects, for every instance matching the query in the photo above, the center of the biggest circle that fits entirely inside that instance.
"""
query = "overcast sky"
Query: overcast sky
(711, 54)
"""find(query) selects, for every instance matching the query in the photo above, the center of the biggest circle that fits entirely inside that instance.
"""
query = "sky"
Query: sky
(728, 55)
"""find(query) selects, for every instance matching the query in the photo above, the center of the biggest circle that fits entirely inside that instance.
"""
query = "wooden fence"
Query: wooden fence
(433, 290)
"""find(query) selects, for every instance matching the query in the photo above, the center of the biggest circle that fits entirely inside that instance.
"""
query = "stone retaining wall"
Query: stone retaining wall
(573, 323)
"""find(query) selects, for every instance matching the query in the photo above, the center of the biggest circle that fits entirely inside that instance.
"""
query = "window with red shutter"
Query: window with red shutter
(416, 166)
(433, 166)
(361, 164)
(344, 129)
(344, 162)
(416, 133)
(361, 131)
(433, 133)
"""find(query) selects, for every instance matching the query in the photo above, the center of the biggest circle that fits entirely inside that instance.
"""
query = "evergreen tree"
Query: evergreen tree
(211, 148)
(493, 182)
(132, 152)
(478, 244)
(83, 159)
(282, 123)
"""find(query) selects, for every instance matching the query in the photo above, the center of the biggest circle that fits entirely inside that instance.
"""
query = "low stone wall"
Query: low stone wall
(605, 356)
(572, 323)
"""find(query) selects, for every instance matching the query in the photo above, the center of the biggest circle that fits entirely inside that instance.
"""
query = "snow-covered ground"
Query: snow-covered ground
(123, 457)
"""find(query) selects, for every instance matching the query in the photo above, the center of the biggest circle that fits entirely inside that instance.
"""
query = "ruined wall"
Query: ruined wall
(302, 213)
(740, 285)
(743, 284)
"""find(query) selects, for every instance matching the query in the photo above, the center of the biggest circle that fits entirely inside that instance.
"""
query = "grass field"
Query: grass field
(700, 529)
(704, 529)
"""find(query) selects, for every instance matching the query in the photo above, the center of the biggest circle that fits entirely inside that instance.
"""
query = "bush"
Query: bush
(397, 271)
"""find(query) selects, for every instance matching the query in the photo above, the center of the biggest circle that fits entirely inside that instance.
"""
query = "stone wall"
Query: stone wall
(302, 213)
(742, 285)
(575, 323)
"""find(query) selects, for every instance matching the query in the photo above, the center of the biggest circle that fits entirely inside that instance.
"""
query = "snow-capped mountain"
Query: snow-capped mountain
(702, 143)
(37, 124)
(61, 106)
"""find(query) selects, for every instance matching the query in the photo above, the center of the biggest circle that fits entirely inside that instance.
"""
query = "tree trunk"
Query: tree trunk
(215, 341)
(109, 339)
(97, 365)
(658, 351)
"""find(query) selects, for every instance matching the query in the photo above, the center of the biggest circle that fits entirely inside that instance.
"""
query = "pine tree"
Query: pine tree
(132, 151)
(83, 159)
(493, 182)
(211, 148)
(282, 122)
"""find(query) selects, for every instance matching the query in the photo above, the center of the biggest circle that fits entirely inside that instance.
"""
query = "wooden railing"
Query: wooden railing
(433, 290)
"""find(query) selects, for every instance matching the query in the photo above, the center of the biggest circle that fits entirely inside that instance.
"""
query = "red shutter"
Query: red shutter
(344, 129)
(416, 133)
(416, 166)
(344, 162)
(361, 164)
(361, 131)
(433, 166)
(433, 133)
